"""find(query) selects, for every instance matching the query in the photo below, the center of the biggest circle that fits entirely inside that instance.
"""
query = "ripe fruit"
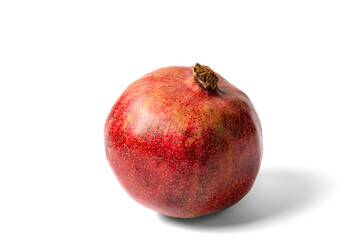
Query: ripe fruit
(184, 142)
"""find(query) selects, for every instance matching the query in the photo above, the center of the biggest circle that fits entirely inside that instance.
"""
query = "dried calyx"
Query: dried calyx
(205, 76)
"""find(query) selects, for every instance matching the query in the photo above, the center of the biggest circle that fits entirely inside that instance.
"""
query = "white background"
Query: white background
(64, 63)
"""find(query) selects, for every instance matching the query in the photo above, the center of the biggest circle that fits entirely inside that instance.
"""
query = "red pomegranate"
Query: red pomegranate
(184, 142)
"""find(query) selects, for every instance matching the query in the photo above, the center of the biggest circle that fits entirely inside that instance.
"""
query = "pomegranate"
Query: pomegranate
(184, 142)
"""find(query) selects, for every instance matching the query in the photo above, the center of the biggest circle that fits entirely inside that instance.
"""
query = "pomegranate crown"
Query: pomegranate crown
(205, 76)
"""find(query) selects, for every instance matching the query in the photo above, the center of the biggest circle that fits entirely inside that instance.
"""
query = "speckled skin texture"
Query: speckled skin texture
(180, 149)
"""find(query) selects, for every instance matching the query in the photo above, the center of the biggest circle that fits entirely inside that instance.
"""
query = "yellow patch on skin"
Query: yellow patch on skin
(195, 138)
(189, 141)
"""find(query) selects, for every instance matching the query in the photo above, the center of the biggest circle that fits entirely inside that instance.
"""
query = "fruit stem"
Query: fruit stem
(205, 76)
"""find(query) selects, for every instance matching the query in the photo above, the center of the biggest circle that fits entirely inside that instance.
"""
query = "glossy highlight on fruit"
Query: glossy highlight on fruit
(184, 142)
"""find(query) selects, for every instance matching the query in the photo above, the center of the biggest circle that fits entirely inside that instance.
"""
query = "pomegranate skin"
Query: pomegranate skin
(182, 150)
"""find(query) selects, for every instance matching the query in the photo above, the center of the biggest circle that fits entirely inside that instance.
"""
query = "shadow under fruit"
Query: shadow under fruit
(184, 142)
